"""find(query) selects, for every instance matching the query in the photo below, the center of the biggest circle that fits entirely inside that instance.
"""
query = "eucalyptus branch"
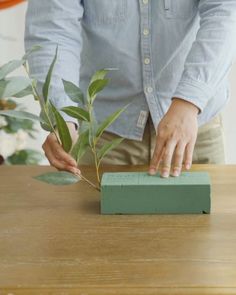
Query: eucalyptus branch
(92, 132)
(42, 103)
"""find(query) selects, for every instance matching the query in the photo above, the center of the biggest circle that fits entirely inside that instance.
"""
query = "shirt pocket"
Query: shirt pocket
(180, 8)
(106, 12)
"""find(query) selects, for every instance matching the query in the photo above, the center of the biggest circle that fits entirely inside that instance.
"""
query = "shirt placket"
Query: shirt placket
(147, 69)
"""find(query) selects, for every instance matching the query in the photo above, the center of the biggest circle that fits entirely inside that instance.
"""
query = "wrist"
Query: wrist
(184, 104)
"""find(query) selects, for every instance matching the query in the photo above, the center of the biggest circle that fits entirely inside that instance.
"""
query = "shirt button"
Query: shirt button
(145, 32)
(147, 61)
(149, 89)
(145, 1)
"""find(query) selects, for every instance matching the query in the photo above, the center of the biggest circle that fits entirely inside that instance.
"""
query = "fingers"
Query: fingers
(189, 155)
(167, 158)
(156, 158)
(178, 159)
(56, 162)
(57, 157)
(59, 152)
(176, 137)
(171, 155)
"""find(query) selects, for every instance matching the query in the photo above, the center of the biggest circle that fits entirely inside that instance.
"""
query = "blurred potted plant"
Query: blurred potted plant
(51, 119)
(14, 134)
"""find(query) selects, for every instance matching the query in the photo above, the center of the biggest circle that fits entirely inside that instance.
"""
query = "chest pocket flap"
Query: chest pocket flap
(180, 8)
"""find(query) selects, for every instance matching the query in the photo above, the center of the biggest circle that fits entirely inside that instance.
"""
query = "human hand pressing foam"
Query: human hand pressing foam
(55, 154)
(176, 138)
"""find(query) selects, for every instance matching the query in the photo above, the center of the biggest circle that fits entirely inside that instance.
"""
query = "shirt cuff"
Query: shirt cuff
(198, 93)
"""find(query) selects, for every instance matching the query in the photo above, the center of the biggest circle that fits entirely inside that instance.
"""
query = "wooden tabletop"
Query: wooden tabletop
(53, 240)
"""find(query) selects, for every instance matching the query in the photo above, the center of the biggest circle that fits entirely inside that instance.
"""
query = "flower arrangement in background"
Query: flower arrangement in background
(14, 134)
(9, 3)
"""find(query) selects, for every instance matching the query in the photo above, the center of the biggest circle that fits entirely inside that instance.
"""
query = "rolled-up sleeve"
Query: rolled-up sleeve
(52, 23)
(212, 53)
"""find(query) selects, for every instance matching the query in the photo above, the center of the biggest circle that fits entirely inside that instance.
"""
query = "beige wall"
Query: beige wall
(12, 28)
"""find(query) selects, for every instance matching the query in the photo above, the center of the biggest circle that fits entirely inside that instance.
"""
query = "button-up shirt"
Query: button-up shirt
(161, 48)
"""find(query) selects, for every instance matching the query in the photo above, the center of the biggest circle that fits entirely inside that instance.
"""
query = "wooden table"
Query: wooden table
(53, 240)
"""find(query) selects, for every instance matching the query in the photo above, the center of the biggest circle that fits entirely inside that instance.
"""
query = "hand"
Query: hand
(176, 138)
(57, 157)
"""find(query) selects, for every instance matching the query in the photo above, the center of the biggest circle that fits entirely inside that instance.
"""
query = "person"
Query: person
(173, 59)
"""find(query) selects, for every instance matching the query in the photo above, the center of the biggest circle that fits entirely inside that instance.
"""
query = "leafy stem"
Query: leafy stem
(52, 120)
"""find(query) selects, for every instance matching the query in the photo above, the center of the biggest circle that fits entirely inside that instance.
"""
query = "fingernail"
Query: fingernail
(187, 166)
(165, 174)
(75, 170)
(176, 173)
(152, 171)
(78, 171)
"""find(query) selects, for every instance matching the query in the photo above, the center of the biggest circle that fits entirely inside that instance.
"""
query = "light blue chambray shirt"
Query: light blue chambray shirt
(162, 48)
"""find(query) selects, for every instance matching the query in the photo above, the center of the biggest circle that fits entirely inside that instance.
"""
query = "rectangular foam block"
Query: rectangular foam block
(140, 193)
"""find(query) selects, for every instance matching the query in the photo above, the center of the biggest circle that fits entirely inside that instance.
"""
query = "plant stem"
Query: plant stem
(88, 181)
(97, 168)
(96, 163)
(93, 143)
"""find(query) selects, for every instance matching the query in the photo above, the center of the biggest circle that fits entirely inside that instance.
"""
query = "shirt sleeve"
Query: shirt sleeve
(52, 23)
(212, 53)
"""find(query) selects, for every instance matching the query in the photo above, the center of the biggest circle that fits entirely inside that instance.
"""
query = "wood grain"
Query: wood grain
(53, 240)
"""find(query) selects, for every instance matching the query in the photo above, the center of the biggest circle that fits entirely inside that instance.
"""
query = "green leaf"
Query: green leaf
(82, 142)
(58, 178)
(108, 147)
(46, 126)
(29, 52)
(15, 124)
(99, 75)
(47, 83)
(25, 157)
(33, 157)
(45, 123)
(108, 121)
(27, 91)
(73, 91)
(63, 130)
(48, 117)
(76, 112)
(80, 146)
(83, 126)
(21, 115)
(49, 108)
(10, 67)
(13, 85)
(95, 87)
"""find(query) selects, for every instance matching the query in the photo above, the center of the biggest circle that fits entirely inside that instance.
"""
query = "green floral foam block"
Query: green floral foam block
(140, 193)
